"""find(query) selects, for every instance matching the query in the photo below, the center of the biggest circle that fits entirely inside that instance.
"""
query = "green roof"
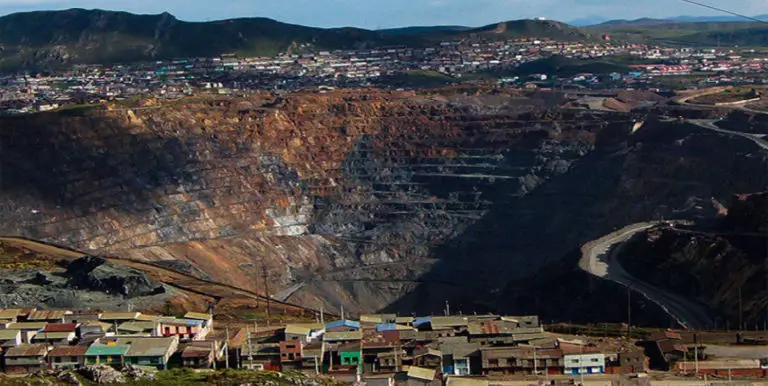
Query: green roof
(102, 349)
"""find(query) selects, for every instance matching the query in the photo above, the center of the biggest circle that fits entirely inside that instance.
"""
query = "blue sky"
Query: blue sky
(395, 13)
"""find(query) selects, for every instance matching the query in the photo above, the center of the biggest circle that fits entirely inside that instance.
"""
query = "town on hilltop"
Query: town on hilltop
(378, 349)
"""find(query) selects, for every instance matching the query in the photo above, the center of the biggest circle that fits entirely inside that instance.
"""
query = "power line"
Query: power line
(725, 11)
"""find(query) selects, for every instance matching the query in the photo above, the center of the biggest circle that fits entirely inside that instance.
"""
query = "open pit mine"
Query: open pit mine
(371, 200)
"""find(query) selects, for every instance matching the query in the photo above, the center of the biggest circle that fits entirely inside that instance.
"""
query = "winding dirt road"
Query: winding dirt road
(598, 257)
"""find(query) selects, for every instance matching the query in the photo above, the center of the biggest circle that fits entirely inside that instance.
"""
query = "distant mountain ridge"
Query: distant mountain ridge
(45, 39)
(597, 21)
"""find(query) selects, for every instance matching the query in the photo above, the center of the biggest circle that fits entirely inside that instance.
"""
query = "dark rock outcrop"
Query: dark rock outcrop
(97, 274)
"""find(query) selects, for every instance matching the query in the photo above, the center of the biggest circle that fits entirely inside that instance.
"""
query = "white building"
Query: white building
(584, 364)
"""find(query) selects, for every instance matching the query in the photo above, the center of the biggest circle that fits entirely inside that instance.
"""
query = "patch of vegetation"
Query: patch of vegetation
(418, 79)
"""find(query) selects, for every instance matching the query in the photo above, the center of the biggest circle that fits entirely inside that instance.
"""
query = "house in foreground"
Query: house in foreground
(67, 357)
(154, 352)
(26, 358)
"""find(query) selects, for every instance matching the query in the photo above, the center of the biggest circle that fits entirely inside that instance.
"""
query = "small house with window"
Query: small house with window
(26, 358)
(185, 329)
(592, 363)
(207, 319)
(291, 354)
(67, 357)
(304, 332)
(110, 354)
(153, 352)
(350, 354)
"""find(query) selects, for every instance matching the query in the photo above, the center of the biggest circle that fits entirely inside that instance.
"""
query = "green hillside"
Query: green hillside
(686, 33)
(51, 38)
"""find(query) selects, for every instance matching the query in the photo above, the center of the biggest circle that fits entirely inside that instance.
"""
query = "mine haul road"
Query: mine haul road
(600, 258)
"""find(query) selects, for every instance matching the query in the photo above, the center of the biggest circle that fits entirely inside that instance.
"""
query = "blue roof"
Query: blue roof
(386, 327)
(422, 320)
(343, 323)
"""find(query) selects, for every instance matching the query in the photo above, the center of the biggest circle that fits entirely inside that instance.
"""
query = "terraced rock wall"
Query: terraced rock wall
(373, 200)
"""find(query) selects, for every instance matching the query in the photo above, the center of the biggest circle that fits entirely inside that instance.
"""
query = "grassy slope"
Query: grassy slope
(682, 33)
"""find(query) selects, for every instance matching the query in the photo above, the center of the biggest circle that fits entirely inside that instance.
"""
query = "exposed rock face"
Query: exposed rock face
(715, 266)
(95, 274)
(374, 200)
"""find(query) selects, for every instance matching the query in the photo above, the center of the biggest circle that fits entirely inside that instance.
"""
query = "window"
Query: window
(575, 361)
(154, 360)
(73, 359)
(290, 346)
(493, 362)
(595, 360)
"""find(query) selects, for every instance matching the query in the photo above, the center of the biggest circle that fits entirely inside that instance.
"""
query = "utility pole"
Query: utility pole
(266, 289)
(250, 348)
(322, 316)
(629, 313)
(213, 348)
(741, 312)
(535, 365)
(226, 353)
(696, 355)
(447, 309)
(342, 312)
(581, 364)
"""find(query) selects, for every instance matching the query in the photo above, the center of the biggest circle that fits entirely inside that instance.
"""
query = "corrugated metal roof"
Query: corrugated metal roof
(198, 316)
(449, 321)
(146, 347)
(27, 350)
(9, 313)
(346, 335)
(459, 381)
(297, 329)
(196, 352)
(9, 334)
(180, 321)
(104, 349)
(741, 364)
(68, 351)
(421, 373)
(119, 315)
(54, 335)
(136, 326)
(342, 323)
(27, 326)
(404, 319)
(421, 320)
(147, 318)
(47, 315)
(459, 349)
(60, 327)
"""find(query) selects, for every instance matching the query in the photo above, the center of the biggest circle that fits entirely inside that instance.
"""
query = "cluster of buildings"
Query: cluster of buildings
(32, 340)
(428, 350)
(378, 348)
(228, 74)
